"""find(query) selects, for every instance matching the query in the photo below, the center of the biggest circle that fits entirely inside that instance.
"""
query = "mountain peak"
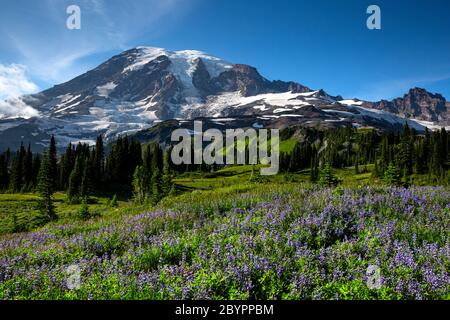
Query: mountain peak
(183, 60)
(423, 93)
(418, 103)
(141, 86)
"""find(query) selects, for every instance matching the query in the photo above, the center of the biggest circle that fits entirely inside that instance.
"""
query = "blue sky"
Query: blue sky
(320, 43)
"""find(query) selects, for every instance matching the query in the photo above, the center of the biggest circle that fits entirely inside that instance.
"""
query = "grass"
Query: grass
(272, 240)
(22, 207)
(287, 146)
(225, 237)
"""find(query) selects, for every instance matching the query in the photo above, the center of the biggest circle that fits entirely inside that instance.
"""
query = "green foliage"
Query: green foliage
(140, 186)
(392, 175)
(247, 241)
(113, 203)
(46, 189)
(256, 176)
(327, 178)
(83, 212)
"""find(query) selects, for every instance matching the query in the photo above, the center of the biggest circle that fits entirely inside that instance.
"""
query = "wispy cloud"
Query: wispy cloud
(14, 81)
(54, 54)
(40, 47)
(13, 84)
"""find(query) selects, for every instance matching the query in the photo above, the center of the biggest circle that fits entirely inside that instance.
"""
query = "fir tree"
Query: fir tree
(46, 190)
(314, 171)
(98, 169)
(75, 179)
(83, 212)
(17, 177)
(392, 175)
(166, 183)
(326, 176)
(53, 161)
(4, 176)
(86, 187)
(156, 186)
(139, 185)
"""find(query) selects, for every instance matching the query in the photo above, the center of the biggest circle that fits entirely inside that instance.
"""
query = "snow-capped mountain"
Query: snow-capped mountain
(143, 86)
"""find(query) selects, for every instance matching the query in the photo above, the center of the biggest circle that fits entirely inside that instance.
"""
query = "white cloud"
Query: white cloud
(13, 84)
(14, 81)
(54, 54)
(16, 108)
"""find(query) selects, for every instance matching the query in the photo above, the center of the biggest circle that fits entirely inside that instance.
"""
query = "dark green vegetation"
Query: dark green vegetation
(145, 174)
(141, 228)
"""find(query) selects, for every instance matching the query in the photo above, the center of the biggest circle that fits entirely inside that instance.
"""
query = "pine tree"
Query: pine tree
(28, 170)
(45, 189)
(139, 185)
(17, 177)
(156, 186)
(86, 187)
(53, 161)
(98, 169)
(66, 166)
(36, 167)
(75, 179)
(166, 183)
(392, 175)
(326, 176)
(83, 212)
(4, 176)
(314, 171)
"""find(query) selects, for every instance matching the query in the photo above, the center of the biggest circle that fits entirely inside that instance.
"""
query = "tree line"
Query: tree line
(146, 170)
(84, 171)
(395, 156)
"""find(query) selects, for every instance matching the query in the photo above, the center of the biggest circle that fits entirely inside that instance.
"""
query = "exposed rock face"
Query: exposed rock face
(141, 87)
(249, 82)
(242, 78)
(201, 79)
(419, 104)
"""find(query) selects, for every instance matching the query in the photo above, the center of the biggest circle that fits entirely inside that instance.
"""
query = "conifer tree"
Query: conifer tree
(75, 179)
(45, 189)
(53, 161)
(4, 177)
(86, 187)
(326, 176)
(98, 169)
(36, 167)
(392, 175)
(314, 171)
(139, 185)
(166, 183)
(16, 179)
(156, 193)
(28, 170)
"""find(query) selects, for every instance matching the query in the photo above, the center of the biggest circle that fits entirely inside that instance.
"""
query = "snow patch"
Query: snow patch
(106, 89)
(350, 102)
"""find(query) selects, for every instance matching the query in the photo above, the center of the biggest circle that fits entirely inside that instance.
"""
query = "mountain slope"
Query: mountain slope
(418, 104)
(143, 86)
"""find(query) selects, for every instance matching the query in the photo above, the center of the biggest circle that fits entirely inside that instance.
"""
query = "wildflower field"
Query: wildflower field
(252, 241)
